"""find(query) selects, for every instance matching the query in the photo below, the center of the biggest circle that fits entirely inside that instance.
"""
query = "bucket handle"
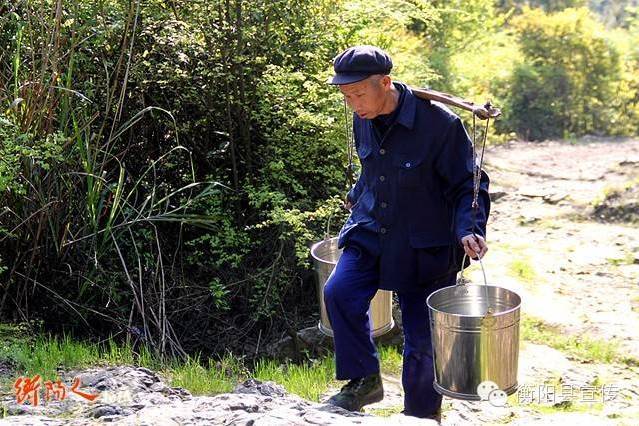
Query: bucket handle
(328, 227)
(460, 281)
(327, 234)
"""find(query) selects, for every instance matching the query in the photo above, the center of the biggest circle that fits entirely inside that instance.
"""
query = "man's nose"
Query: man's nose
(352, 104)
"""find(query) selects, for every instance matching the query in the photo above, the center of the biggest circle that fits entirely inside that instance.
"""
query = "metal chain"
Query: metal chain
(349, 170)
(477, 168)
(350, 143)
(475, 204)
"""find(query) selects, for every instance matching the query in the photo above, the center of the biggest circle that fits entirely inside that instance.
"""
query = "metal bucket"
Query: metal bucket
(472, 344)
(325, 255)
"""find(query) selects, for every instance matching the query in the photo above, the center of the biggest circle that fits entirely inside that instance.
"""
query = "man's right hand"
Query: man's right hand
(348, 205)
(475, 246)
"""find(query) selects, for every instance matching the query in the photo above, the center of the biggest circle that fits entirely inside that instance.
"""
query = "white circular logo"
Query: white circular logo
(485, 388)
(498, 398)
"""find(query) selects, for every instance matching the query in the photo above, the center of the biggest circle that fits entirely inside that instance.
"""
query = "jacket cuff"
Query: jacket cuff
(464, 233)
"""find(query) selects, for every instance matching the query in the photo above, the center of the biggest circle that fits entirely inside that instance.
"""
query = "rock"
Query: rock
(108, 410)
(6, 369)
(554, 198)
(494, 196)
(254, 386)
(528, 220)
(563, 419)
(310, 340)
(532, 192)
(138, 396)
(314, 343)
(621, 205)
(33, 420)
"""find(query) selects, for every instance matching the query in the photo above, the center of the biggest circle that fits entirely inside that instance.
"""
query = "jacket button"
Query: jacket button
(382, 151)
(382, 178)
(407, 164)
(383, 204)
(382, 230)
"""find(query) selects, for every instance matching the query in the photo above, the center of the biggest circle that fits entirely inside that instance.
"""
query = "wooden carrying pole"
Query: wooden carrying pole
(483, 112)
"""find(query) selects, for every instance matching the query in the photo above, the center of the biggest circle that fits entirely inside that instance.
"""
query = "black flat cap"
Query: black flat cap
(359, 62)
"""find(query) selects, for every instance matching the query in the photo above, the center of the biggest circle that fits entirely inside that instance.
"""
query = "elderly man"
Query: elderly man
(411, 221)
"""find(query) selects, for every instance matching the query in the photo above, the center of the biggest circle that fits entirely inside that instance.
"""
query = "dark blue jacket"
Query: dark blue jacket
(412, 201)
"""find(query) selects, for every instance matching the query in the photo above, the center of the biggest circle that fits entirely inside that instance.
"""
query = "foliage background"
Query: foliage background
(165, 165)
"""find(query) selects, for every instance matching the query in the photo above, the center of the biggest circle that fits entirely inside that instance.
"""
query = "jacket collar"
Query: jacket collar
(407, 109)
(406, 115)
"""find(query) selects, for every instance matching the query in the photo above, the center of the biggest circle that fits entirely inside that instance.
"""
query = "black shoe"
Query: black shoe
(359, 392)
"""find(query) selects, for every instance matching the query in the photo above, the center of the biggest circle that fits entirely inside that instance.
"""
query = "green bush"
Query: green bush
(625, 119)
(565, 85)
(24, 157)
(536, 106)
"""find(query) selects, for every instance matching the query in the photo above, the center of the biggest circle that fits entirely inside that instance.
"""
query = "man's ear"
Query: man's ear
(386, 82)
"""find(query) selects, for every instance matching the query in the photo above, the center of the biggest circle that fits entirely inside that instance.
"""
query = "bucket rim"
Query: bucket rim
(319, 243)
(507, 311)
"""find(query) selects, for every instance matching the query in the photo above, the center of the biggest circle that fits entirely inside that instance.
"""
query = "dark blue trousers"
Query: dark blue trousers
(347, 295)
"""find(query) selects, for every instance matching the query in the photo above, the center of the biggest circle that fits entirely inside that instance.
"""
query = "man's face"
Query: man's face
(367, 97)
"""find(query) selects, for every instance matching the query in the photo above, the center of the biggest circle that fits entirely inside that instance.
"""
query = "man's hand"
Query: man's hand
(474, 245)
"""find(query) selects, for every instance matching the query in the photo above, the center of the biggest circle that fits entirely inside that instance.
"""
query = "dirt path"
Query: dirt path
(579, 273)
(575, 271)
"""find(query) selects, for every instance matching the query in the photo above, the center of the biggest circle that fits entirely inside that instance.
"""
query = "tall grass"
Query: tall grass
(309, 381)
(218, 377)
(390, 360)
(49, 355)
(85, 234)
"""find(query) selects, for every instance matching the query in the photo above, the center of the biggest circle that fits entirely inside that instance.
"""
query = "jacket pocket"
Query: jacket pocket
(408, 170)
(433, 263)
(434, 253)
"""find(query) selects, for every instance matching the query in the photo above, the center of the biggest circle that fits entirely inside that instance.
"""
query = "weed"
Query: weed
(522, 269)
(581, 347)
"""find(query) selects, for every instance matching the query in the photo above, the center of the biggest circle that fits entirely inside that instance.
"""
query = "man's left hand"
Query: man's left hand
(474, 245)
